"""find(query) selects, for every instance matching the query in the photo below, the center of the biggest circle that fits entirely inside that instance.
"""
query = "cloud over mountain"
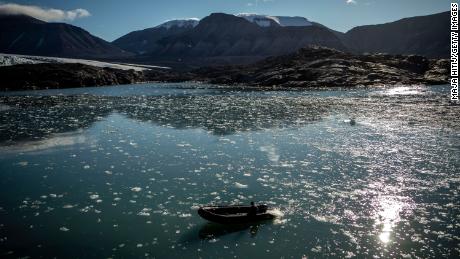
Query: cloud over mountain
(42, 13)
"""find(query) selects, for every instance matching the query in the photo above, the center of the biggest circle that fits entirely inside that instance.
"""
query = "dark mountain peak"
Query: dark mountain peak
(223, 18)
(422, 35)
(22, 34)
(216, 17)
(19, 18)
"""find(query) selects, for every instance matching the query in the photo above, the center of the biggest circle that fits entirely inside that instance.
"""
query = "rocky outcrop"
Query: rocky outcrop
(322, 67)
(308, 67)
(49, 76)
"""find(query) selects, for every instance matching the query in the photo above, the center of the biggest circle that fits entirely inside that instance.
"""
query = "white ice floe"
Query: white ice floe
(145, 212)
(240, 185)
(64, 229)
(23, 163)
(94, 196)
(136, 189)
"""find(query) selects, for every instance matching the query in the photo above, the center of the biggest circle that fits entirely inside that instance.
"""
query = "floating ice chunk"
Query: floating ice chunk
(136, 189)
(94, 196)
(23, 163)
(145, 212)
(64, 229)
(240, 185)
(86, 167)
(316, 249)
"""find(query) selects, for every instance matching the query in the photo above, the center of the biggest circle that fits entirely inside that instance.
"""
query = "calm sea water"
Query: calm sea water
(120, 172)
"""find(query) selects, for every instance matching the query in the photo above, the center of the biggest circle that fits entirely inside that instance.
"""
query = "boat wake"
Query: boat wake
(279, 216)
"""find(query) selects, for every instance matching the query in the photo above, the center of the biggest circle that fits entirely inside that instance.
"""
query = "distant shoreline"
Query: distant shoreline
(311, 67)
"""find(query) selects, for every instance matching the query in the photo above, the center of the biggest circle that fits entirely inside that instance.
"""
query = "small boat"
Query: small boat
(236, 214)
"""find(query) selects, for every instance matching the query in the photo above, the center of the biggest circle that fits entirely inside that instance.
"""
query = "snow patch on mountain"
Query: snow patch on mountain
(14, 59)
(267, 20)
(189, 22)
(261, 20)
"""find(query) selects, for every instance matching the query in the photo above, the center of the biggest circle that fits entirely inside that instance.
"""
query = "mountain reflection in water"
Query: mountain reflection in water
(35, 118)
(120, 171)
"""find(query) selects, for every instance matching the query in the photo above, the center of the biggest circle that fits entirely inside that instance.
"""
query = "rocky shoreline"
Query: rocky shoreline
(307, 68)
(67, 75)
(323, 67)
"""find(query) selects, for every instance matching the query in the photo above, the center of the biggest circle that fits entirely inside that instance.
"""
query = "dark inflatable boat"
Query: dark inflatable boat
(234, 214)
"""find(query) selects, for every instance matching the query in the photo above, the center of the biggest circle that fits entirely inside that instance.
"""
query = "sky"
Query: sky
(110, 19)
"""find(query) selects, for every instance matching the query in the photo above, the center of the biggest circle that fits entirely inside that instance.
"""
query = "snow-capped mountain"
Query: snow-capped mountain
(143, 41)
(228, 39)
(283, 21)
(181, 23)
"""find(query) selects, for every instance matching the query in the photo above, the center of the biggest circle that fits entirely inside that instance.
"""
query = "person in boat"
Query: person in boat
(253, 210)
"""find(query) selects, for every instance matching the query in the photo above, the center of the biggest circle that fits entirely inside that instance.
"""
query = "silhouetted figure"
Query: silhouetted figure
(252, 210)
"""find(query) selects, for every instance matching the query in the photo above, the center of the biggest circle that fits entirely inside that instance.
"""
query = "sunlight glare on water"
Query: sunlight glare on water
(121, 172)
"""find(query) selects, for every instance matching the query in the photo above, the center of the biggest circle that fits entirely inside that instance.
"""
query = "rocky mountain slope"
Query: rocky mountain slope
(321, 67)
(20, 34)
(143, 41)
(223, 39)
(230, 38)
(424, 35)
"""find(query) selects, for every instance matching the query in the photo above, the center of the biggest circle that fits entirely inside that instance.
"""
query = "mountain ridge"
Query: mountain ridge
(426, 35)
(228, 37)
(21, 34)
(220, 39)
